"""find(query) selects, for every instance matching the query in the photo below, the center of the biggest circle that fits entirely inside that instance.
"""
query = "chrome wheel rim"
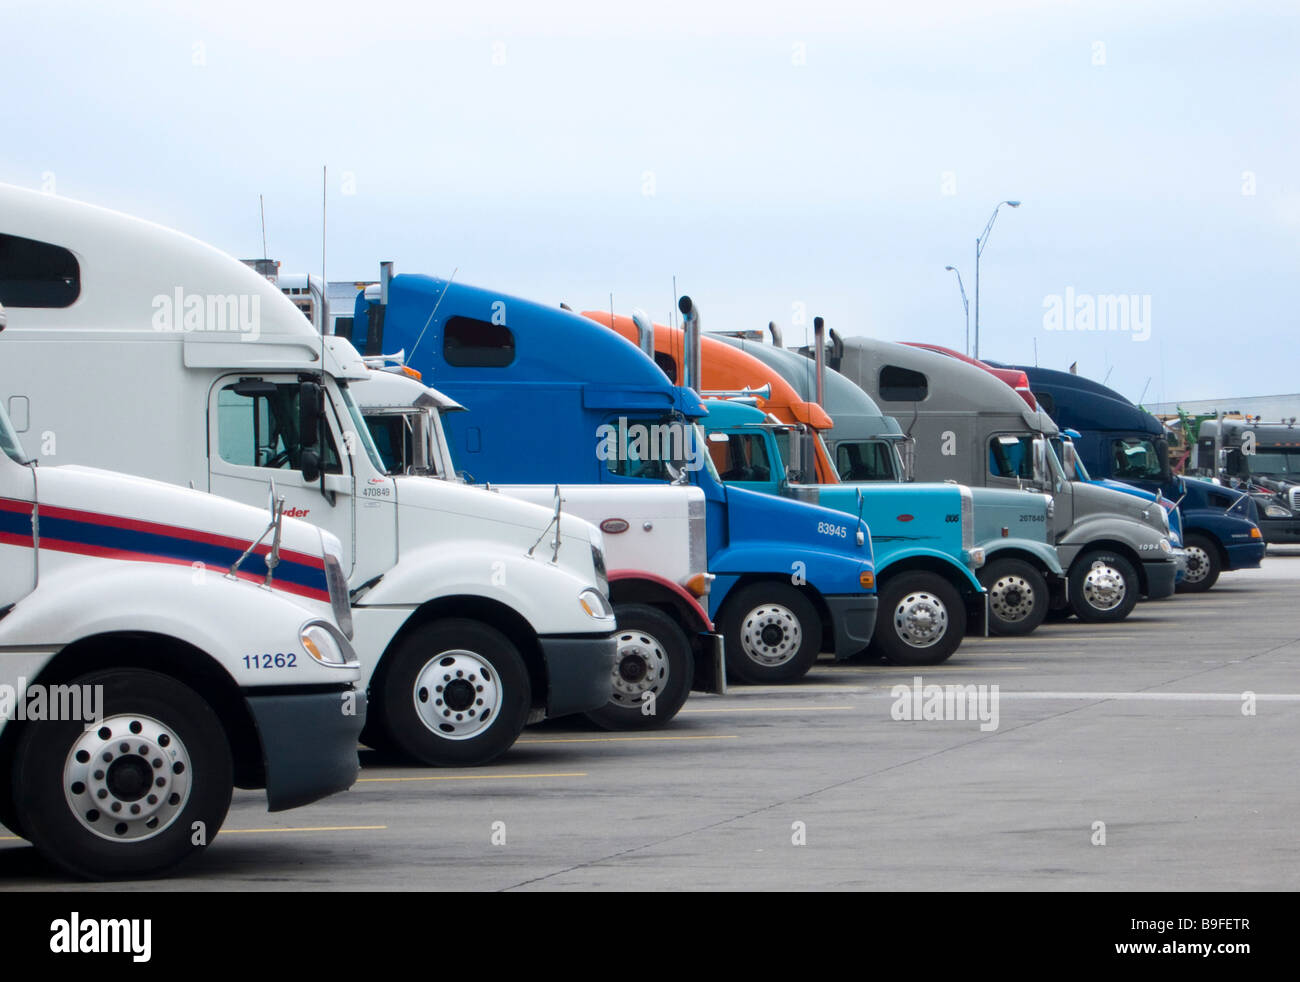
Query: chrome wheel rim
(1104, 587)
(127, 778)
(920, 619)
(1011, 598)
(641, 667)
(771, 635)
(1198, 564)
(457, 694)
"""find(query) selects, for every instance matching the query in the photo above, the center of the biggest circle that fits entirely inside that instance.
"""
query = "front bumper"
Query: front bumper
(1180, 564)
(579, 672)
(309, 741)
(853, 619)
(1249, 554)
(1161, 577)
(1280, 531)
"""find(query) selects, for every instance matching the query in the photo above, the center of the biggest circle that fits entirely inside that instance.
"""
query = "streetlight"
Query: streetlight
(979, 248)
(964, 304)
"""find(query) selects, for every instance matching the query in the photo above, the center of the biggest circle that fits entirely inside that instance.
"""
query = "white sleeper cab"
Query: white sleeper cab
(139, 349)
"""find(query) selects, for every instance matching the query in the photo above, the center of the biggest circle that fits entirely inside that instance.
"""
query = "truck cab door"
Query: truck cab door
(17, 533)
(254, 439)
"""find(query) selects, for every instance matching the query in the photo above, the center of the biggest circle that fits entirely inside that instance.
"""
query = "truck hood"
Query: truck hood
(104, 514)
(1094, 499)
(426, 507)
(797, 522)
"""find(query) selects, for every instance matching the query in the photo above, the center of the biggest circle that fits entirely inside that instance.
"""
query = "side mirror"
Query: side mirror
(907, 450)
(310, 465)
(311, 410)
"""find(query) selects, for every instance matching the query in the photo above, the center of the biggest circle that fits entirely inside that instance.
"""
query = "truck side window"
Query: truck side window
(37, 274)
(471, 343)
(1010, 457)
(742, 458)
(867, 461)
(898, 384)
(262, 431)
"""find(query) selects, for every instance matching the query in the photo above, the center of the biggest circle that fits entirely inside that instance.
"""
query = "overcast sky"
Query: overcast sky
(782, 160)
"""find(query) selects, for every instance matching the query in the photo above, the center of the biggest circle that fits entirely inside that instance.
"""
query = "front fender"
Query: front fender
(1041, 551)
(544, 595)
(1132, 533)
(227, 619)
(829, 573)
(915, 552)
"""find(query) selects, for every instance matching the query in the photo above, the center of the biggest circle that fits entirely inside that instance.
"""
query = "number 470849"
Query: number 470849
(280, 660)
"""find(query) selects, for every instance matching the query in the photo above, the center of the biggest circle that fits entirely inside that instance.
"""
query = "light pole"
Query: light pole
(965, 305)
(980, 243)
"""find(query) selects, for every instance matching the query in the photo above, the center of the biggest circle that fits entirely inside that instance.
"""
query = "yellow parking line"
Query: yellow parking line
(472, 777)
(768, 709)
(628, 739)
(317, 828)
(11, 838)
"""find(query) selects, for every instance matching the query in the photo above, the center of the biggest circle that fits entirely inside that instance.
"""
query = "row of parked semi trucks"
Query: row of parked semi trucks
(484, 511)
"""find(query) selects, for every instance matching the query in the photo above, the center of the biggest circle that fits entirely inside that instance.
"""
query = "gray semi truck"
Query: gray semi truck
(970, 426)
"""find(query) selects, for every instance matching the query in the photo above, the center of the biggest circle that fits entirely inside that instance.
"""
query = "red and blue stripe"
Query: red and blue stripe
(86, 533)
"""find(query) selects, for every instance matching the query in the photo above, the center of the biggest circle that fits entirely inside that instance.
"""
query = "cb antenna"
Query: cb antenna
(261, 206)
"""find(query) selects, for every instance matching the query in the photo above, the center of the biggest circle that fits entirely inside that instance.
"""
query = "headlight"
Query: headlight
(338, 590)
(976, 557)
(319, 642)
(598, 563)
(595, 604)
(1276, 511)
(1165, 547)
(1051, 506)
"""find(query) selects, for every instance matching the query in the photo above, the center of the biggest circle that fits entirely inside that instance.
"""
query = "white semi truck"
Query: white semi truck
(143, 350)
(159, 647)
(654, 543)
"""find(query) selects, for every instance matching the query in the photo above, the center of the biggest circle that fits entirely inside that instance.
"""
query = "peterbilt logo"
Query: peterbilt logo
(905, 518)
(614, 526)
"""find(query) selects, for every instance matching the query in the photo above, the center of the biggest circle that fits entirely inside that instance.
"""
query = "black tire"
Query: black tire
(1203, 563)
(654, 655)
(172, 736)
(1113, 592)
(904, 599)
(463, 668)
(773, 633)
(1018, 598)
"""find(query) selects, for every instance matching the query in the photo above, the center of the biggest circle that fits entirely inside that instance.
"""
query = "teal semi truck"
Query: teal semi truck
(1021, 572)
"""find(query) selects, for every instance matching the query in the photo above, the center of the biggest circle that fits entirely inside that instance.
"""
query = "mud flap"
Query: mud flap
(710, 664)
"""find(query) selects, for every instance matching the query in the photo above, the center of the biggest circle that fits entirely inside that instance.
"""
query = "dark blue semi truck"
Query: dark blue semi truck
(1117, 440)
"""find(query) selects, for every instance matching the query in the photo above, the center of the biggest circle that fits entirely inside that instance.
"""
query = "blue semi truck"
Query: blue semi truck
(554, 397)
(1119, 441)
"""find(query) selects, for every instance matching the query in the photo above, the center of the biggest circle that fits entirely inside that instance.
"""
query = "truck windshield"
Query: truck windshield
(865, 460)
(362, 431)
(1273, 463)
(9, 439)
(653, 449)
(743, 457)
(1137, 458)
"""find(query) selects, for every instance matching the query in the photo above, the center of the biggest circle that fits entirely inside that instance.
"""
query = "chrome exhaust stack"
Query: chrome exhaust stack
(645, 332)
(691, 329)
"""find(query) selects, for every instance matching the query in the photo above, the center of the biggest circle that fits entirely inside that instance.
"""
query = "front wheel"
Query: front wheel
(455, 695)
(134, 795)
(1203, 565)
(773, 633)
(921, 621)
(1104, 587)
(652, 670)
(1018, 598)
